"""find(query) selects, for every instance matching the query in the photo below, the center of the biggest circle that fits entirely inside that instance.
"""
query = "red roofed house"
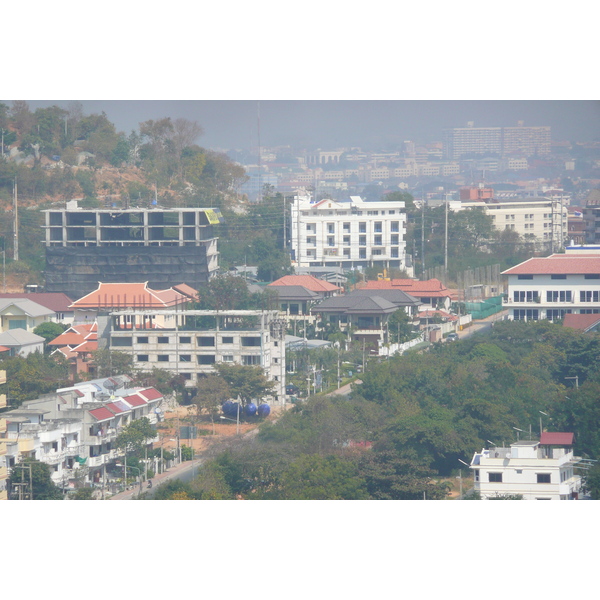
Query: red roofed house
(585, 323)
(535, 470)
(432, 291)
(323, 288)
(109, 297)
(554, 286)
(76, 344)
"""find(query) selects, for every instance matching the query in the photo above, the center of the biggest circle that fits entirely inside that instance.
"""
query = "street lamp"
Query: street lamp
(542, 413)
(236, 421)
(460, 477)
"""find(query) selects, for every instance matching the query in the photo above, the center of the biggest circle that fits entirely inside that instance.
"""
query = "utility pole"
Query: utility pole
(446, 240)
(16, 221)
(423, 237)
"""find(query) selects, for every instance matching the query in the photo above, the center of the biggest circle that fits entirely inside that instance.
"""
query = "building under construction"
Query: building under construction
(163, 247)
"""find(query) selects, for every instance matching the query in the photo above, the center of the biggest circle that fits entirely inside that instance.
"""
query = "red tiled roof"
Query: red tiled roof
(431, 288)
(87, 346)
(117, 407)
(556, 438)
(134, 400)
(101, 414)
(4, 349)
(150, 394)
(186, 290)
(582, 322)
(558, 264)
(308, 281)
(129, 295)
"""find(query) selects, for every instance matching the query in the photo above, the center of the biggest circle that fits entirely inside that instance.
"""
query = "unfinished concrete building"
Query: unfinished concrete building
(164, 247)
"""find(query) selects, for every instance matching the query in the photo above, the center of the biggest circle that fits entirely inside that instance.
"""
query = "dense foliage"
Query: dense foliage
(401, 433)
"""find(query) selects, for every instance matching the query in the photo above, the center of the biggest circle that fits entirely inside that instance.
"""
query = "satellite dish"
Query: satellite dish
(102, 396)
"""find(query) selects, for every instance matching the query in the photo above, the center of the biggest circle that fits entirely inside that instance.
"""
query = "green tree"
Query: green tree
(591, 482)
(134, 436)
(84, 493)
(212, 392)
(110, 363)
(389, 476)
(49, 330)
(246, 382)
(314, 477)
(41, 482)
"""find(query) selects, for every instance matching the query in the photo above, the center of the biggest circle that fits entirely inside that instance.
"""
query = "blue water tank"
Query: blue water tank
(232, 410)
(251, 409)
(264, 410)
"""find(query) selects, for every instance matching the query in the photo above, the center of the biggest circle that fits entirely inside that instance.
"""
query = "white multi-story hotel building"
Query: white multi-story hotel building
(348, 233)
(550, 287)
(535, 470)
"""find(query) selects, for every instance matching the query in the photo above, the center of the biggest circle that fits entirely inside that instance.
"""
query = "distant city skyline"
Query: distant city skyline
(368, 124)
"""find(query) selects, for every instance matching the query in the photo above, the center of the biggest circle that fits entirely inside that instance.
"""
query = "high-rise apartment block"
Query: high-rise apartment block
(499, 141)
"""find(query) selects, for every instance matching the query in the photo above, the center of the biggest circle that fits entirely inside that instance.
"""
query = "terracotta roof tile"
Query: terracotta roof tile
(556, 438)
(558, 264)
(307, 281)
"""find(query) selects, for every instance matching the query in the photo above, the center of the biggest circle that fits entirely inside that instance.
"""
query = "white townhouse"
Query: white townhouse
(553, 286)
(536, 470)
(348, 233)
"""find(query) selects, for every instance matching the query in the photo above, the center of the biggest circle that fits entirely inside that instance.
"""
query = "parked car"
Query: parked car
(291, 389)
(452, 337)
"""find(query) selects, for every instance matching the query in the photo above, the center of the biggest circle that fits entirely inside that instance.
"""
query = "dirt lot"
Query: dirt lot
(211, 432)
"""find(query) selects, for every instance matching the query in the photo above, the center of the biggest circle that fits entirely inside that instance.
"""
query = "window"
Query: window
(592, 276)
(362, 253)
(558, 276)
(330, 240)
(543, 477)
(163, 358)
(589, 296)
(250, 341)
(362, 240)
(142, 358)
(495, 477)
(558, 296)
(525, 296)
(362, 228)
(186, 339)
(227, 358)
(311, 241)
(250, 359)
(330, 227)
(227, 340)
(394, 252)
(377, 240)
(163, 340)
(377, 227)
(524, 276)
(206, 359)
(206, 341)
(346, 226)
(346, 240)
(395, 226)
(121, 341)
(394, 240)
(142, 339)
(185, 358)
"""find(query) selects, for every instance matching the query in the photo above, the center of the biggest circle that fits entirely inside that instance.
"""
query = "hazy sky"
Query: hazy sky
(369, 124)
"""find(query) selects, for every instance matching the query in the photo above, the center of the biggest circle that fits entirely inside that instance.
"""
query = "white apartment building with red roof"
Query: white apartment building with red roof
(554, 286)
(535, 470)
